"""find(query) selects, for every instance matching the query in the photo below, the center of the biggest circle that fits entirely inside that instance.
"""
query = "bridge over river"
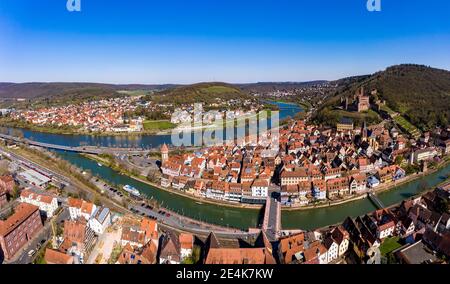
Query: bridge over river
(81, 149)
(272, 217)
(375, 200)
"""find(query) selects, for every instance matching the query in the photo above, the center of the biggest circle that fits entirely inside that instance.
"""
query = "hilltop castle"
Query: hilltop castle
(360, 103)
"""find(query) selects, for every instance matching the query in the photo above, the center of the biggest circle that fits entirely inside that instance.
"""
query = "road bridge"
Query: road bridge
(272, 217)
(375, 200)
(80, 149)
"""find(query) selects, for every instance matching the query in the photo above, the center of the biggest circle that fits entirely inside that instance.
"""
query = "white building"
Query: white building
(424, 154)
(100, 220)
(80, 208)
(46, 203)
(358, 183)
(342, 238)
(333, 249)
(260, 188)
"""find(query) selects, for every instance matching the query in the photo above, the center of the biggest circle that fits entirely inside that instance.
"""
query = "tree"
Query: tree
(194, 258)
(4, 167)
(15, 192)
(442, 206)
(399, 160)
(97, 200)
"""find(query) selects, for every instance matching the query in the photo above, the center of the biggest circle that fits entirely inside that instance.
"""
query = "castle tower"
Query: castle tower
(164, 153)
(363, 101)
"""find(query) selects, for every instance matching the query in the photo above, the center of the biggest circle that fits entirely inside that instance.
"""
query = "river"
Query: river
(228, 216)
(123, 141)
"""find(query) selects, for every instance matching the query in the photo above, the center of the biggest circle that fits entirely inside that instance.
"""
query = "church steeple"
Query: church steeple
(164, 153)
(364, 131)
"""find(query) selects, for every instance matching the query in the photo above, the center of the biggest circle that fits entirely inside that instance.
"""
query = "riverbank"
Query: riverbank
(106, 163)
(382, 188)
(73, 132)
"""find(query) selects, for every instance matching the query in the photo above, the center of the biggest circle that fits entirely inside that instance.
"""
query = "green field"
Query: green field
(358, 118)
(158, 125)
(389, 245)
(217, 90)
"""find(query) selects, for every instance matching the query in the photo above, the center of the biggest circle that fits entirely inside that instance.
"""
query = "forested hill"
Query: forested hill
(51, 90)
(420, 93)
(202, 92)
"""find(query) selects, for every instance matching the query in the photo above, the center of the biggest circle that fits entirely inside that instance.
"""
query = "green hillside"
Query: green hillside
(419, 93)
(202, 92)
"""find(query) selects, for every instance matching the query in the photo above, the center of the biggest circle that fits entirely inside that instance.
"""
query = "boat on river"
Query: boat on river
(132, 190)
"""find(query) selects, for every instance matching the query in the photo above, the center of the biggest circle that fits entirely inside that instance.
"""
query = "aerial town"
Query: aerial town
(225, 140)
(314, 165)
(118, 115)
(54, 216)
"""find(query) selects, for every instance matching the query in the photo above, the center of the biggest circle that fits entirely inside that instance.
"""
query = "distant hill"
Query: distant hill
(50, 90)
(201, 92)
(420, 93)
(281, 86)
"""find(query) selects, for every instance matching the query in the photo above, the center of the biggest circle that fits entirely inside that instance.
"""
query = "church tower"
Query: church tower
(364, 131)
(164, 153)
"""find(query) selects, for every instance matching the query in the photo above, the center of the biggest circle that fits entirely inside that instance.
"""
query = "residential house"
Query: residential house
(144, 255)
(186, 245)
(358, 183)
(47, 204)
(316, 253)
(319, 189)
(289, 194)
(234, 192)
(294, 177)
(260, 188)
(332, 249)
(80, 208)
(290, 249)
(342, 238)
(261, 253)
(100, 220)
(138, 233)
(170, 252)
(79, 239)
(56, 257)
(337, 186)
(372, 182)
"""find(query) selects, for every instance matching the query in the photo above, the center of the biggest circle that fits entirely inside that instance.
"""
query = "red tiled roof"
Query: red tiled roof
(56, 257)
(22, 212)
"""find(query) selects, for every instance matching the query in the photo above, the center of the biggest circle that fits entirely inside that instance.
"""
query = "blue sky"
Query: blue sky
(186, 41)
